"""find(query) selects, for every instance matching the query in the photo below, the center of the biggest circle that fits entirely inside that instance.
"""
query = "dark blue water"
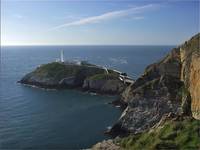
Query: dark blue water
(35, 118)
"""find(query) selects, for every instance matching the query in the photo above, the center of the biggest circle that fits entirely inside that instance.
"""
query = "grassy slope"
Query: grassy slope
(104, 77)
(57, 71)
(172, 135)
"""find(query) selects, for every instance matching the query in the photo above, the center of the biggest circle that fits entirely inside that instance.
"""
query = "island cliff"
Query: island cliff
(163, 104)
(85, 76)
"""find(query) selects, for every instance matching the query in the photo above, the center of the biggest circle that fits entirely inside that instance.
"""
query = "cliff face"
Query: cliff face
(171, 85)
(152, 95)
(104, 83)
(190, 72)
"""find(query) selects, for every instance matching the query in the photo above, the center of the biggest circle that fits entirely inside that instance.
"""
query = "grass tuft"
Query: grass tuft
(172, 135)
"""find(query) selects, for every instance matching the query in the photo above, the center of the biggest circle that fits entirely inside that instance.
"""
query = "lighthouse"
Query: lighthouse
(62, 56)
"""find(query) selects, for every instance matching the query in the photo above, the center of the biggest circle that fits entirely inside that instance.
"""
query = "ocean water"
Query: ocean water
(67, 119)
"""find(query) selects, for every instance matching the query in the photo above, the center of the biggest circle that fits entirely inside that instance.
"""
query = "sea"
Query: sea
(33, 118)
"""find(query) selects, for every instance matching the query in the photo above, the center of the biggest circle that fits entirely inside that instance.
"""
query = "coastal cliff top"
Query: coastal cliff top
(58, 71)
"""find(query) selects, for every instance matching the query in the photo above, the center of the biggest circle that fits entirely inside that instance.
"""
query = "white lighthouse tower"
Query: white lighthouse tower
(62, 56)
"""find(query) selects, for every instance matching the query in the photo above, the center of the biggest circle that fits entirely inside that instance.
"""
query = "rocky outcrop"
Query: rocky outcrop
(107, 84)
(169, 86)
(152, 95)
(66, 75)
(106, 145)
(190, 59)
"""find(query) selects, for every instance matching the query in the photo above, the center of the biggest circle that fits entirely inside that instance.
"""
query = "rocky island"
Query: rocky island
(82, 75)
(163, 104)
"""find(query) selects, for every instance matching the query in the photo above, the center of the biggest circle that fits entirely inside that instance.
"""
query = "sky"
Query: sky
(98, 22)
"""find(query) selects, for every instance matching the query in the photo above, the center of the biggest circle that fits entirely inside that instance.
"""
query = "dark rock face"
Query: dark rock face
(32, 79)
(68, 82)
(149, 103)
(104, 86)
(159, 91)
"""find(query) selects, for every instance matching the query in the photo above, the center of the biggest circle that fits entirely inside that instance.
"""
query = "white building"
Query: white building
(62, 56)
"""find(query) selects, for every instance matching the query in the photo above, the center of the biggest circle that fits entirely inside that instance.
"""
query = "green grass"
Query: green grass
(104, 76)
(172, 135)
(57, 71)
(183, 91)
(86, 63)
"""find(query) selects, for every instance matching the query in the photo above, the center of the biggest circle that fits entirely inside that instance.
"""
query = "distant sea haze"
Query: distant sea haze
(35, 118)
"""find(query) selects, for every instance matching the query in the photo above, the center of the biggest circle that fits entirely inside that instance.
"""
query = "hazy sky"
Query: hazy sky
(107, 22)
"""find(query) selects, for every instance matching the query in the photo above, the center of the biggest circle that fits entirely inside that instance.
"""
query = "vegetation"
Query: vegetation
(86, 63)
(113, 72)
(193, 44)
(182, 135)
(185, 97)
(58, 71)
(104, 76)
(55, 70)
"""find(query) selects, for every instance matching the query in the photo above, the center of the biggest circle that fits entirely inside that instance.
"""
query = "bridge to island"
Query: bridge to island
(122, 76)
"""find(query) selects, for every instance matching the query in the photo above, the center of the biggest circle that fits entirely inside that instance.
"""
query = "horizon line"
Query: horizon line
(94, 45)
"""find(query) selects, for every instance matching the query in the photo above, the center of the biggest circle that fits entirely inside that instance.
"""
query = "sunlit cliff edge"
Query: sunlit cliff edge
(163, 105)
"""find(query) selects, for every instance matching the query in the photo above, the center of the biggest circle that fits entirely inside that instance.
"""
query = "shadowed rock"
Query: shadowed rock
(172, 85)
